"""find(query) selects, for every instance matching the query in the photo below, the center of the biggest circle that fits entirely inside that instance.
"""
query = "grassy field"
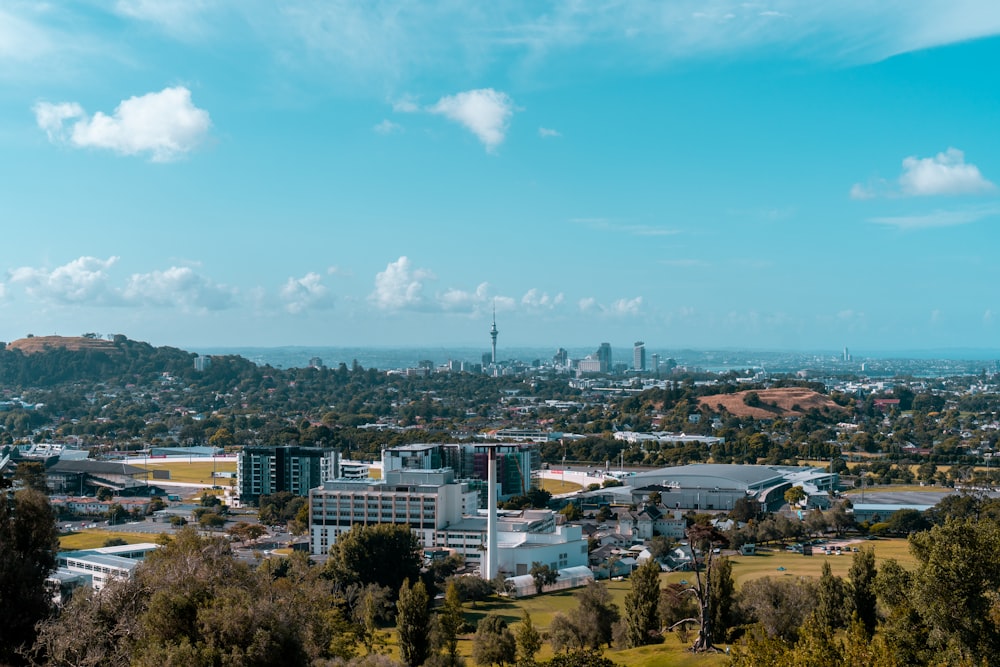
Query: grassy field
(557, 486)
(194, 472)
(91, 539)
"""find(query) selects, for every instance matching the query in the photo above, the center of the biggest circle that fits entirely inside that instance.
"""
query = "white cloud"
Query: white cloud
(305, 292)
(938, 218)
(83, 280)
(180, 18)
(546, 133)
(461, 300)
(944, 174)
(533, 298)
(177, 286)
(862, 192)
(165, 125)
(624, 307)
(484, 112)
(620, 308)
(387, 127)
(400, 286)
(406, 104)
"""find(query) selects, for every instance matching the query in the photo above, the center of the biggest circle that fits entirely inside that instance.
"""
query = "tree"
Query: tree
(861, 589)
(595, 615)
(493, 644)
(571, 512)
(385, 554)
(413, 623)
(31, 475)
(28, 547)
(641, 621)
(830, 597)
(795, 495)
(780, 606)
(543, 576)
(528, 639)
(721, 592)
(449, 623)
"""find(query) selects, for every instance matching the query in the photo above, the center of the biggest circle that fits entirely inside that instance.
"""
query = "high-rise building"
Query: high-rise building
(656, 365)
(604, 356)
(262, 471)
(639, 357)
(561, 358)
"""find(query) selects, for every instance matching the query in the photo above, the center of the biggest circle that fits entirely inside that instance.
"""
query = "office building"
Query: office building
(470, 461)
(639, 357)
(604, 356)
(263, 471)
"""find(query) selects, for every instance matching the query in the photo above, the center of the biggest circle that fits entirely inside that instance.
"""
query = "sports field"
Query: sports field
(192, 472)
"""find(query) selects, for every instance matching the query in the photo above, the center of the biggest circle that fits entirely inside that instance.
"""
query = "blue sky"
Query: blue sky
(777, 175)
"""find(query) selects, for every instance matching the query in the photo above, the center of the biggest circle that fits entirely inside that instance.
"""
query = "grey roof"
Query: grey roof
(709, 475)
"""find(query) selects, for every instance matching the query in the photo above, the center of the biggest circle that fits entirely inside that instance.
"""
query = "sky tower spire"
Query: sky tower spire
(493, 334)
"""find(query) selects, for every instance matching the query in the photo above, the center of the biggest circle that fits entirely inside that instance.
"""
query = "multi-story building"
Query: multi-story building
(639, 357)
(266, 470)
(469, 461)
(443, 513)
(604, 356)
(425, 500)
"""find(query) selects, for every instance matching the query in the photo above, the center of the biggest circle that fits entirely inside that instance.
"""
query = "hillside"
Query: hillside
(781, 402)
(35, 344)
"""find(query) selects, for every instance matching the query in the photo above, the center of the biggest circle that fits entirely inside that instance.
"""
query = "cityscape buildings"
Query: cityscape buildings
(267, 470)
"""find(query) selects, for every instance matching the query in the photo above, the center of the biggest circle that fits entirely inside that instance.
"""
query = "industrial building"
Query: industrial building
(717, 487)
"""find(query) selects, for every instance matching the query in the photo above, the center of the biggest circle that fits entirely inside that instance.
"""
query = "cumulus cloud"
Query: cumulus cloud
(83, 280)
(400, 286)
(179, 286)
(534, 298)
(305, 292)
(484, 112)
(462, 300)
(164, 125)
(946, 173)
(626, 306)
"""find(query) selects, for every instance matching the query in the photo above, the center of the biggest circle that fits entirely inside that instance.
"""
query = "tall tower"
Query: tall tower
(490, 564)
(493, 334)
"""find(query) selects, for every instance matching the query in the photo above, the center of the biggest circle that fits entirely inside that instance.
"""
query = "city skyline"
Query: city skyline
(772, 175)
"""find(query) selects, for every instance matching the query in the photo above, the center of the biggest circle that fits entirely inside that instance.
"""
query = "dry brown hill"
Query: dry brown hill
(41, 343)
(782, 402)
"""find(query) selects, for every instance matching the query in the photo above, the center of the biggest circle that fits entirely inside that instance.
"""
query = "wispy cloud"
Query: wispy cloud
(387, 127)
(164, 125)
(938, 218)
(548, 133)
(946, 173)
(611, 225)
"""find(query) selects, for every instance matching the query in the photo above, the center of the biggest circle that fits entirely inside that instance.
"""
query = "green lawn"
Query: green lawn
(91, 539)
(558, 486)
(196, 472)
